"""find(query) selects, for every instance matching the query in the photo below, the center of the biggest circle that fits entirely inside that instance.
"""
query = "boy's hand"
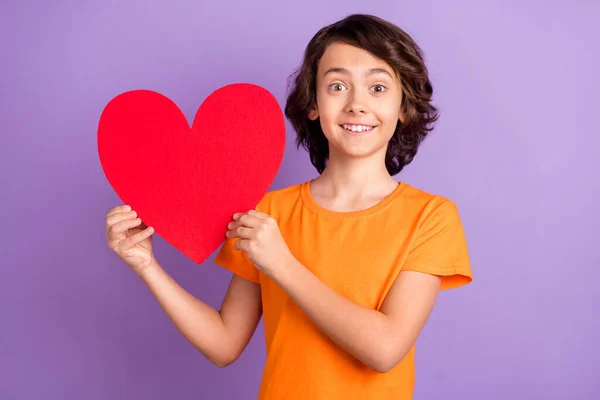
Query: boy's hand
(129, 238)
(261, 239)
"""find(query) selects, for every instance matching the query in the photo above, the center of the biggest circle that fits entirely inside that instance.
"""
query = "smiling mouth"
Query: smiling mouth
(357, 128)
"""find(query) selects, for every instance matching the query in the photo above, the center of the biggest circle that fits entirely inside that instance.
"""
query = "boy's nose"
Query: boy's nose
(356, 104)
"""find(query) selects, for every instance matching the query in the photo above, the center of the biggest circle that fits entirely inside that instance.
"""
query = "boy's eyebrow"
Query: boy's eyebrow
(344, 71)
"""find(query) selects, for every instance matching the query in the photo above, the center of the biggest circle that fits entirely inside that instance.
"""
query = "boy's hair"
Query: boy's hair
(387, 42)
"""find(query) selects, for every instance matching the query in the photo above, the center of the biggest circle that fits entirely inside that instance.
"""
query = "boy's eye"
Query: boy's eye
(379, 88)
(336, 87)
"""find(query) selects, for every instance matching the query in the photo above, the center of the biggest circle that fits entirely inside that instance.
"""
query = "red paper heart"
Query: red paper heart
(188, 183)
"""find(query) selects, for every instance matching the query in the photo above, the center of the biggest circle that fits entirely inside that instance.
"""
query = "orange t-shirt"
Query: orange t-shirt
(359, 254)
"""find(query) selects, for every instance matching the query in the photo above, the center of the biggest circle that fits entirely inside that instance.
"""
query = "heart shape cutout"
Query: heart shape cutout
(188, 182)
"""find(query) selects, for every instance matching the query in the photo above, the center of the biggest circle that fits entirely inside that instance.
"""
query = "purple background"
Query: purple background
(517, 84)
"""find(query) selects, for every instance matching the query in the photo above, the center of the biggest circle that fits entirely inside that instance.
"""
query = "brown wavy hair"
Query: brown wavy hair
(387, 42)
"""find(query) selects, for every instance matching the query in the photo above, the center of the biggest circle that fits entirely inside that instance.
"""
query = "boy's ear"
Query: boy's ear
(401, 116)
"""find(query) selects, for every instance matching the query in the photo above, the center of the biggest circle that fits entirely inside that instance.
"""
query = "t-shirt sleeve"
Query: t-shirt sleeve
(236, 261)
(440, 247)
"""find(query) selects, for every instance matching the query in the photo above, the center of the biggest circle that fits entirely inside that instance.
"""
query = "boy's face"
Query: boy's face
(358, 101)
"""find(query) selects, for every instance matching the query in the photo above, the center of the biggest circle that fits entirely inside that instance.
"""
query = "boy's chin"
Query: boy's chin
(359, 151)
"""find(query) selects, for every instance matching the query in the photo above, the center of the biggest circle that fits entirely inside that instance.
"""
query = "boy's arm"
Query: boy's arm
(380, 339)
(221, 336)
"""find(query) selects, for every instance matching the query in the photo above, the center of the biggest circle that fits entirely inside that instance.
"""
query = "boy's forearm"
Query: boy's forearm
(361, 331)
(197, 321)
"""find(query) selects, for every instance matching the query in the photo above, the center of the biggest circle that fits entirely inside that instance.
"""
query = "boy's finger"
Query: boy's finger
(120, 216)
(124, 208)
(138, 237)
(126, 224)
(258, 214)
(241, 232)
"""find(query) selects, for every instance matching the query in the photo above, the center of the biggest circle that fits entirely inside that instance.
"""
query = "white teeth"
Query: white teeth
(357, 128)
